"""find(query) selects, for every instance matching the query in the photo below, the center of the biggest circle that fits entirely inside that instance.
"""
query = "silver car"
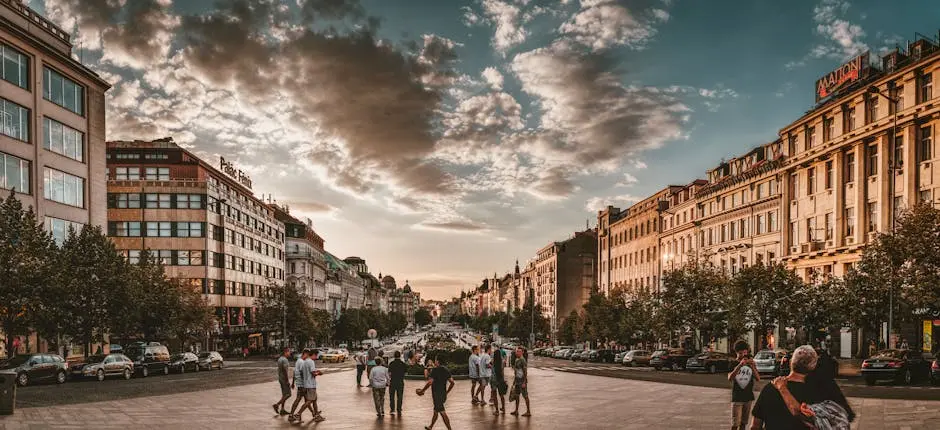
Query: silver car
(768, 361)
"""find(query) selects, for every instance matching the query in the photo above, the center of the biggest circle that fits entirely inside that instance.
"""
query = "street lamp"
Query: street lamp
(893, 167)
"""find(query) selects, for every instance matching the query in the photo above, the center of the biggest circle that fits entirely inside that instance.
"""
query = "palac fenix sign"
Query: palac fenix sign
(840, 78)
(234, 172)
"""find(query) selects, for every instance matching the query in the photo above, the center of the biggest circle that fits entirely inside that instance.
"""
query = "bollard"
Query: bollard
(7, 393)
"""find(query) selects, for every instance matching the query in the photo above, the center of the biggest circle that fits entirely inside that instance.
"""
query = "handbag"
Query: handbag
(514, 394)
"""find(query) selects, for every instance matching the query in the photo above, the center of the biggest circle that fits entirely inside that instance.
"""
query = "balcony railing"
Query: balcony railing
(38, 19)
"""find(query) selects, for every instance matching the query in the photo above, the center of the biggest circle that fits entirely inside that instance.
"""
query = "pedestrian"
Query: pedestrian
(498, 381)
(742, 379)
(298, 382)
(396, 371)
(371, 354)
(486, 372)
(283, 364)
(378, 380)
(770, 411)
(520, 385)
(822, 381)
(904, 344)
(474, 365)
(360, 366)
(441, 383)
(872, 348)
(310, 387)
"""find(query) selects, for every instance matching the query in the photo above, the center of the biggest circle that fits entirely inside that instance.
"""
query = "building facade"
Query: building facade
(564, 276)
(205, 225)
(344, 287)
(305, 265)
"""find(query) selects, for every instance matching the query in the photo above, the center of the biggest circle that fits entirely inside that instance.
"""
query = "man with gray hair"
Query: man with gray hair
(771, 411)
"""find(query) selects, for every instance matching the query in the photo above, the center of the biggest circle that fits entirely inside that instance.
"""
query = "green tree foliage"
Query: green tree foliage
(287, 305)
(693, 298)
(395, 322)
(760, 296)
(600, 317)
(522, 321)
(571, 329)
(423, 317)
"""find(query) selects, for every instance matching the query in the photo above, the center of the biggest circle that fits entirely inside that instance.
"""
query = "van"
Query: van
(149, 357)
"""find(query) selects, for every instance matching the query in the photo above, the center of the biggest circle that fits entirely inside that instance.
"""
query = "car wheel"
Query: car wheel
(657, 368)
(127, 374)
(712, 369)
(99, 375)
(183, 369)
(220, 365)
(197, 367)
(144, 372)
(870, 381)
(906, 377)
(675, 367)
(60, 377)
(166, 370)
(22, 379)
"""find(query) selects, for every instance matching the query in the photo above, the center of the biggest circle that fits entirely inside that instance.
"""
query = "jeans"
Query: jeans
(359, 370)
(378, 396)
(740, 415)
(395, 394)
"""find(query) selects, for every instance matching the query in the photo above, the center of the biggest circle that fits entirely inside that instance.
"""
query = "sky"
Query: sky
(441, 140)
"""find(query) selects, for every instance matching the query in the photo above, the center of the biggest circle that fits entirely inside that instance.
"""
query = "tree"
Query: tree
(693, 298)
(395, 322)
(286, 300)
(522, 321)
(570, 330)
(422, 317)
(194, 318)
(350, 327)
(638, 321)
(761, 296)
(822, 305)
(600, 316)
(26, 270)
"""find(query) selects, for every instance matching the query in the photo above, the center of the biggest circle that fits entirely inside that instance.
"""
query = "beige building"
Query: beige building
(679, 236)
(628, 243)
(203, 223)
(305, 265)
(564, 276)
(52, 149)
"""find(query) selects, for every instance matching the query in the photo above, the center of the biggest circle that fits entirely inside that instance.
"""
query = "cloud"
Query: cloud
(842, 39)
(506, 16)
(309, 207)
(595, 204)
(452, 226)
(601, 24)
(493, 78)
(627, 181)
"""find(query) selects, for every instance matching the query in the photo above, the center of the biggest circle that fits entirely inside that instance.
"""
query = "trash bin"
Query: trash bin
(7, 392)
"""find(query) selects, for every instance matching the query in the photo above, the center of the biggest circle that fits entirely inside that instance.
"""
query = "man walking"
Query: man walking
(441, 383)
(310, 386)
(282, 378)
(521, 382)
(742, 379)
(486, 372)
(498, 381)
(360, 366)
(474, 365)
(298, 382)
(396, 371)
(378, 380)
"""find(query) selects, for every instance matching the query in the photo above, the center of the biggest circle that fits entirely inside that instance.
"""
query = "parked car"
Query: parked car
(619, 357)
(149, 357)
(31, 368)
(568, 353)
(576, 355)
(768, 361)
(900, 365)
(561, 353)
(102, 366)
(602, 356)
(210, 360)
(333, 356)
(637, 357)
(711, 361)
(183, 362)
(670, 358)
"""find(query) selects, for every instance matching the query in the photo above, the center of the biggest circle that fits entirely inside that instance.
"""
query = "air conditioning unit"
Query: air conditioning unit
(850, 240)
(805, 247)
(794, 249)
(830, 243)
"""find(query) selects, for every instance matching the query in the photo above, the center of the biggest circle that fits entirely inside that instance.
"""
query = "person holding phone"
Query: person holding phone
(742, 379)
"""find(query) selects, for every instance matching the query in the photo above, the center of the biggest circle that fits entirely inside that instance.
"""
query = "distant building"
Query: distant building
(564, 275)
(305, 263)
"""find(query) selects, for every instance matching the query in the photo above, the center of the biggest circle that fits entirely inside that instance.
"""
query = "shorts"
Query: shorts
(494, 383)
(439, 400)
(474, 379)
(301, 392)
(310, 394)
(285, 388)
(517, 385)
(484, 381)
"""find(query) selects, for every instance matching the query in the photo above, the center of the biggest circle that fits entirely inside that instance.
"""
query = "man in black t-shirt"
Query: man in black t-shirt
(742, 379)
(396, 371)
(771, 411)
(441, 382)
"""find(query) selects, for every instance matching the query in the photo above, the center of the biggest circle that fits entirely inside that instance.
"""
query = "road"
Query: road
(852, 387)
(235, 373)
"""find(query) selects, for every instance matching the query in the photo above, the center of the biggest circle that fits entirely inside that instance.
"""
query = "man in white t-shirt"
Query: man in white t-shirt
(474, 364)
(486, 372)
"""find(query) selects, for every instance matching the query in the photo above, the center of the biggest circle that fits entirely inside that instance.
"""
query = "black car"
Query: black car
(671, 358)
(183, 362)
(713, 362)
(149, 357)
(603, 356)
(31, 368)
(210, 360)
(102, 366)
(899, 365)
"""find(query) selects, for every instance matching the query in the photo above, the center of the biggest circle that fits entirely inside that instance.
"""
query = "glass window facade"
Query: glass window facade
(14, 173)
(62, 139)
(63, 91)
(63, 188)
(15, 120)
(15, 67)
(60, 228)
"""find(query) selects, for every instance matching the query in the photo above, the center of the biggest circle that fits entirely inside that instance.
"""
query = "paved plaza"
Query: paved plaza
(560, 400)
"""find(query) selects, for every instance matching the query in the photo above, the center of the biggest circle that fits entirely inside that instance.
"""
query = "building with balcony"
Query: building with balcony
(203, 223)
(344, 287)
(305, 264)
(679, 236)
(401, 300)
(563, 276)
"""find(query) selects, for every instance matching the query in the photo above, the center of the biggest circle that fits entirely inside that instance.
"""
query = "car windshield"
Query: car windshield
(660, 353)
(176, 357)
(890, 353)
(134, 352)
(204, 354)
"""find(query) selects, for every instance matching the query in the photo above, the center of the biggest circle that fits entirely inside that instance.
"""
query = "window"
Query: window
(189, 201)
(158, 201)
(127, 173)
(742, 228)
(897, 156)
(810, 137)
(760, 190)
(811, 229)
(189, 229)
(64, 188)
(794, 185)
(897, 206)
(63, 91)
(925, 148)
(734, 230)
(926, 87)
(157, 174)
(14, 173)
(828, 226)
(760, 224)
(926, 196)
(794, 233)
(791, 145)
(873, 108)
(772, 221)
(127, 156)
(156, 156)
(849, 222)
(829, 128)
(128, 201)
(125, 229)
(182, 258)
(133, 256)
(163, 256)
(15, 120)
(15, 68)
(872, 160)
(724, 233)
(60, 228)
(63, 139)
(872, 216)
(899, 96)
(850, 119)
(159, 229)
(849, 167)
(830, 178)
(811, 181)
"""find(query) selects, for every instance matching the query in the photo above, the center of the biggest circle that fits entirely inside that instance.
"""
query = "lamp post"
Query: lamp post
(892, 168)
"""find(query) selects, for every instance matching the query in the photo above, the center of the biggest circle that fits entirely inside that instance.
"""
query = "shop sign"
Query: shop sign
(843, 76)
(928, 335)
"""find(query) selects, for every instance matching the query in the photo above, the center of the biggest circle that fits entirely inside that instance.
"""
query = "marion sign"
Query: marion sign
(841, 77)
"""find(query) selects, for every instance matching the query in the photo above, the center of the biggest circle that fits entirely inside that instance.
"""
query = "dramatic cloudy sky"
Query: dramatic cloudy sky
(442, 139)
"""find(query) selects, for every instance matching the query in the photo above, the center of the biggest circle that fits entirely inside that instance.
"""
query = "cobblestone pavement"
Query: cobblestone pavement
(561, 400)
